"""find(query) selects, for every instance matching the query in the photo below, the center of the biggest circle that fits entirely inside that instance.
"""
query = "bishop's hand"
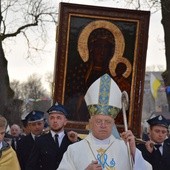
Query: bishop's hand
(94, 166)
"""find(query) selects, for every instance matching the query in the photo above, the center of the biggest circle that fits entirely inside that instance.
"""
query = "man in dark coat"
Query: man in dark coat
(157, 151)
(35, 121)
(15, 132)
(49, 148)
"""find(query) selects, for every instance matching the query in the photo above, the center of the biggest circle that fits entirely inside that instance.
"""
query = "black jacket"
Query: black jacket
(45, 155)
(157, 162)
(24, 147)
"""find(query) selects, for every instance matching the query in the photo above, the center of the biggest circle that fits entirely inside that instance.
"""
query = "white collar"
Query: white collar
(60, 134)
(33, 136)
(103, 142)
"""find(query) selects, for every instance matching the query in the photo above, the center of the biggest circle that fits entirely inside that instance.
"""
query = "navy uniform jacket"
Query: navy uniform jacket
(45, 155)
(158, 163)
(24, 146)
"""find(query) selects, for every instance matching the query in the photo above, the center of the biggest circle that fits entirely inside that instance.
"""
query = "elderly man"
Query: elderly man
(15, 132)
(100, 150)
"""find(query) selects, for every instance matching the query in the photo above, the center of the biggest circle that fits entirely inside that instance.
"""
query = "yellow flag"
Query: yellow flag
(154, 84)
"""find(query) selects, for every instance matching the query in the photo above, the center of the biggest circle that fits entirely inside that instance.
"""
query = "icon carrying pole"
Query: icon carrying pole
(125, 105)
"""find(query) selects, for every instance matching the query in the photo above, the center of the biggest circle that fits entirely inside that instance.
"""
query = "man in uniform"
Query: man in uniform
(25, 127)
(50, 147)
(157, 150)
(35, 120)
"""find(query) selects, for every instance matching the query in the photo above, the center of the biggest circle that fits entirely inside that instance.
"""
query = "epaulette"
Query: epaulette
(45, 132)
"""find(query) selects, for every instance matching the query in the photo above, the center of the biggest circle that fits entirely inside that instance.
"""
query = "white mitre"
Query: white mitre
(104, 97)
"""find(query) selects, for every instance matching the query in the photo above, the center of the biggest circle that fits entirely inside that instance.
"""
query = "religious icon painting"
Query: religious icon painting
(93, 41)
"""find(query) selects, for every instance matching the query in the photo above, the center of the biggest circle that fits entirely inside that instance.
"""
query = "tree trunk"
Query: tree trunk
(165, 4)
(6, 93)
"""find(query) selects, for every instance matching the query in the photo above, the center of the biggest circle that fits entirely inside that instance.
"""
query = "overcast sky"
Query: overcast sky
(20, 68)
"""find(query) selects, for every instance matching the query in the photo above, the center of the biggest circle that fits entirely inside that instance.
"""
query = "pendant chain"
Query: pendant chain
(102, 153)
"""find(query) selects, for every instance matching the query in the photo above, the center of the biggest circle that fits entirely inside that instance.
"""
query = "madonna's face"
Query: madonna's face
(101, 52)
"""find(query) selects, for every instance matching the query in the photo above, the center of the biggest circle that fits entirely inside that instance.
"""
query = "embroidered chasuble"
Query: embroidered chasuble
(100, 153)
(103, 158)
(110, 157)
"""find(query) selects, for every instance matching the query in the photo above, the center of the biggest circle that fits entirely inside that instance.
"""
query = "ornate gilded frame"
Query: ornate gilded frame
(130, 31)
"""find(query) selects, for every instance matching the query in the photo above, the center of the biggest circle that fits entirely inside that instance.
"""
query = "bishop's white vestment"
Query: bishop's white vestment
(111, 154)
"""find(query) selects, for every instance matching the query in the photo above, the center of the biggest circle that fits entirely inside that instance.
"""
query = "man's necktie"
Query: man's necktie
(15, 143)
(36, 137)
(56, 140)
(157, 146)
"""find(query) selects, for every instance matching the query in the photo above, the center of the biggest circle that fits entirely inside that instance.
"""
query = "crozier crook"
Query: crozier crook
(125, 106)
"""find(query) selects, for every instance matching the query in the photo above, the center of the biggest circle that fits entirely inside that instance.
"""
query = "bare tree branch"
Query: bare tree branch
(35, 11)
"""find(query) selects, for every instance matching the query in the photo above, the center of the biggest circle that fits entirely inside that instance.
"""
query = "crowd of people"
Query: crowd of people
(37, 148)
